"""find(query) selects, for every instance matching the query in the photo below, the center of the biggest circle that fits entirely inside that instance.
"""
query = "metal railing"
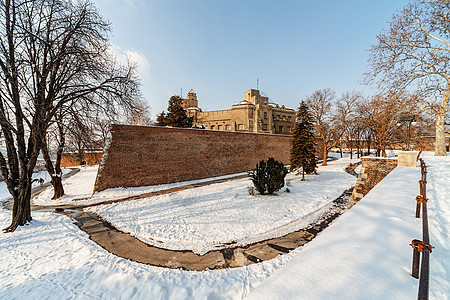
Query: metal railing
(422, 246)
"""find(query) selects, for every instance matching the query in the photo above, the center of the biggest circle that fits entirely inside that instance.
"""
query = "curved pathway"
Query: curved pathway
(124, 245)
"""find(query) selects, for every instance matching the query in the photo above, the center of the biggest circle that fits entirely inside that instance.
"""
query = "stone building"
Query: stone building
(253, 114)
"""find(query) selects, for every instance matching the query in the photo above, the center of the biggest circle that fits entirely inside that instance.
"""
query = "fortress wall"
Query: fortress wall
(150, 155)
(217, 114)
(72, 159)
(373, 170)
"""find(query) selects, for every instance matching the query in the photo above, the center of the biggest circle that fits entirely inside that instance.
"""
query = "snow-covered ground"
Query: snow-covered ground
(52, 259)
(78, 189)
(209, 217)
(79, 186)
(367, 249)
(4, 194)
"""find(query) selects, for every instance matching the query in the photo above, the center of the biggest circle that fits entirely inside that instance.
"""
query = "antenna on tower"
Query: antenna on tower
(257, 83)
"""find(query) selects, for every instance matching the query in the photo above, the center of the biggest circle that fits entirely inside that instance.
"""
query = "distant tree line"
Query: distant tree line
(365, 123)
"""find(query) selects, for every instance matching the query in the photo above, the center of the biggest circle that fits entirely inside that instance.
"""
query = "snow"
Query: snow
(53, 259)
(243, 102)
(209, 217)
(4, 194)
(364, 254)
(367, 249)
(78, 189)
(79, 186)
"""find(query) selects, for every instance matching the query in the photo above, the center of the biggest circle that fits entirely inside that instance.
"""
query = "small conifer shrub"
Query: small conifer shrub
(268, 177)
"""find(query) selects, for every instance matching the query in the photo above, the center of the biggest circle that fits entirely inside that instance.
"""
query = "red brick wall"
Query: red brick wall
(149, 155)
(373, 170)
(71, 159)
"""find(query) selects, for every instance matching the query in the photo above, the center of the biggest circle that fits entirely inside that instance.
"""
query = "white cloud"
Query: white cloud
(123, 4)
(124, 55)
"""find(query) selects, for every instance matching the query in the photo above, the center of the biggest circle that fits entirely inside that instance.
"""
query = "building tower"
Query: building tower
(190, 101)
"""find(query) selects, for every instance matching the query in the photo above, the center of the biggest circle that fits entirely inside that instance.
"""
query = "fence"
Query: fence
(422, 246)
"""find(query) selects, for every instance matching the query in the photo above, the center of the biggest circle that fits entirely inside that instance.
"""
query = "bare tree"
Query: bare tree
(331, 116)
(52, 53)
(320, 104)
(381, 113)
(140, 115)
(415, 52)
(345, 115)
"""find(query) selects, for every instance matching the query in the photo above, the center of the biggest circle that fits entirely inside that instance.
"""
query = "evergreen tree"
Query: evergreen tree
(176, 116)
(302, 144)
(268, 176)
(161, 119)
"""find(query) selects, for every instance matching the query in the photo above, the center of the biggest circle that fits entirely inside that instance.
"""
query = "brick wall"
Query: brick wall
(148, 155)
(373, 170)
(72, 159)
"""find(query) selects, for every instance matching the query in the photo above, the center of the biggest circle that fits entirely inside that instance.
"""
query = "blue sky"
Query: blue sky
(220, 48)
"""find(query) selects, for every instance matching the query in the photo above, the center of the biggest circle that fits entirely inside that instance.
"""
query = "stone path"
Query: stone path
(124, 245)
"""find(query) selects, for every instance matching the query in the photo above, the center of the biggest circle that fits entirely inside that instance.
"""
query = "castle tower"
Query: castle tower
(190, 101)
(254, 97)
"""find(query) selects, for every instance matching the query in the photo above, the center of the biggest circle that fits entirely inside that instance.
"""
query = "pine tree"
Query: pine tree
(302, 144)
(176, 116)
(161, 119)
(268, 176)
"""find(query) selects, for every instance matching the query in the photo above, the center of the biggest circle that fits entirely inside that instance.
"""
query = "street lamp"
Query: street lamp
(408, 120)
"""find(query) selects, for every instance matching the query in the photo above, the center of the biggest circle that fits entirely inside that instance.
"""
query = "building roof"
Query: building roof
(243, 102)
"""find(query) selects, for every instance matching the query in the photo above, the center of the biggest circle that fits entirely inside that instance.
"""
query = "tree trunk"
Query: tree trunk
(55, 172)
(57, 186)
(21, 214)
(440, 129)
(325, 155)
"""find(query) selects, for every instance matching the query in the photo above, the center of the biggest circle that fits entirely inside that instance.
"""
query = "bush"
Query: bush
(268, 177)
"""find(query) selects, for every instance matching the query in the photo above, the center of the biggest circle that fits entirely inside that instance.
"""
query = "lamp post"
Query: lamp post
(408, 120)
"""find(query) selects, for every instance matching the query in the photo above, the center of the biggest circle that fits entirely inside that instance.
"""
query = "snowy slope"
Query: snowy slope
(209, 217)
(53, 259)
(366, 250)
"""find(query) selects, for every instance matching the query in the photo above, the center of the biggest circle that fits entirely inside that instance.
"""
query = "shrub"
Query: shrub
(268, 177)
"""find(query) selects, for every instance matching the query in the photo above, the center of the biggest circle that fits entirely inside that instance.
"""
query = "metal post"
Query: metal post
(409, 135)
(415, 264)
(425, 267)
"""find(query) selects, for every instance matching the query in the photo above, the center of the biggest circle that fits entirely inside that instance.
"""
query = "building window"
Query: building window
(281, 129)
(288, 129)
(264, 126)
(289, 119)
(212, 127)
(265, 115)
(241, 127)
(278, 117)
(227, 127)
(284, 118)
(219, 127)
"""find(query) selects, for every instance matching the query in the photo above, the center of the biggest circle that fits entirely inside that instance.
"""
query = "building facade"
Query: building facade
(253, 114)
